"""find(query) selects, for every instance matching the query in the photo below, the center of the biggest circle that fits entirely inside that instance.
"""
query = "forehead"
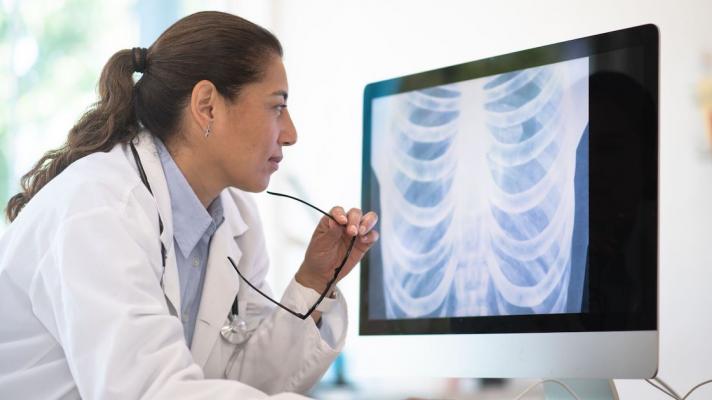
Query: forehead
(272, 84)
(274, 75)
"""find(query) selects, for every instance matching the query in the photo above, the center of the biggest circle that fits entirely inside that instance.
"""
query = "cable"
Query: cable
(667, 391)
(666, 386)
(695, 388)
(562, 384)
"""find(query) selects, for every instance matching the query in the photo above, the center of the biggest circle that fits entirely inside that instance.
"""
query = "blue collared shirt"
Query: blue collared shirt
(193, 228)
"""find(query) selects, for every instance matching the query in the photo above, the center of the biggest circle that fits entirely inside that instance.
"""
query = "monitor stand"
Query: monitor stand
(586, 389)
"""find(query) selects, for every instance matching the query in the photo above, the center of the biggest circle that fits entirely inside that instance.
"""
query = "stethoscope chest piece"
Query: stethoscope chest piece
(235, 331)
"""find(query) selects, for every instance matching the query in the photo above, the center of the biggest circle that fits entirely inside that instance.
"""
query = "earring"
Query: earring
(207, 129)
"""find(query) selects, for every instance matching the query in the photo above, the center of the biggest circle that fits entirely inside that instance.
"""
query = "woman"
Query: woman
(119, 272)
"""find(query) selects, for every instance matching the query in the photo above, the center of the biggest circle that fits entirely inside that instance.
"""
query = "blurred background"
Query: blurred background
(51, 54)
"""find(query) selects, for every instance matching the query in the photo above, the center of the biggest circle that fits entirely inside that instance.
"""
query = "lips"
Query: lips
(274, 161)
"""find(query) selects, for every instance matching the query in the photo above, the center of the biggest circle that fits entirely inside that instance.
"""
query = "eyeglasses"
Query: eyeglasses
(328, 285)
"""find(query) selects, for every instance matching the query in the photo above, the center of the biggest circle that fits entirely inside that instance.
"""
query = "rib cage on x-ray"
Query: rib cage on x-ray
(515, 256)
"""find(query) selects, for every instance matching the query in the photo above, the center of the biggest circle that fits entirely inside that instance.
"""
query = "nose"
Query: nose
(288, 135)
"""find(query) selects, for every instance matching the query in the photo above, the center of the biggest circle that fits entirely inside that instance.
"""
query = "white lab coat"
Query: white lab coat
(83, 314)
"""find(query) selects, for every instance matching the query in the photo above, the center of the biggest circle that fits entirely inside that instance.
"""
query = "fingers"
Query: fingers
(368, 222)
(332, 227)
(355, 222)
(370, 237)
(354, 218)
(339, 215)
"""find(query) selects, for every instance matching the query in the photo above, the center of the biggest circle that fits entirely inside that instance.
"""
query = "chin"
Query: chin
(255, 187)
(258, 183)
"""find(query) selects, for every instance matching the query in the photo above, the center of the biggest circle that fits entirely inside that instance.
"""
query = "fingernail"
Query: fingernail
(364, 238)
(354, 229)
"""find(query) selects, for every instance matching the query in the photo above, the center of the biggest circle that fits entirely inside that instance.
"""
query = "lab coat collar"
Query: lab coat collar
(237, 224)
(154, 172)
(191, 220)
(221, 281)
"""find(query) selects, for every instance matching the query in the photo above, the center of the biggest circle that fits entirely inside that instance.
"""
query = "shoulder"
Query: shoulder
(100, 195)
(96, 181)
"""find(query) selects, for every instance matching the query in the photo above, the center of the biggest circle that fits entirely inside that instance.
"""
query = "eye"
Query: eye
(279, 108)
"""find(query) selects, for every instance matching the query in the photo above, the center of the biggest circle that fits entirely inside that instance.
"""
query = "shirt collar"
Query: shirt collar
(191, 221)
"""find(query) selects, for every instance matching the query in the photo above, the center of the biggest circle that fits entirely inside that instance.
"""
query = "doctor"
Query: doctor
(115, 281)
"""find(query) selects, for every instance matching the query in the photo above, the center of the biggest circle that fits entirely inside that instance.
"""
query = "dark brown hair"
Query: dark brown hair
(225, 49)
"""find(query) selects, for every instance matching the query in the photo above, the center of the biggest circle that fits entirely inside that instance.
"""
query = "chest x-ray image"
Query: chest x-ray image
(483, 195)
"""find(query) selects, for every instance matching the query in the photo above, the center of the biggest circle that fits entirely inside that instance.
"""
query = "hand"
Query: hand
(330, 242)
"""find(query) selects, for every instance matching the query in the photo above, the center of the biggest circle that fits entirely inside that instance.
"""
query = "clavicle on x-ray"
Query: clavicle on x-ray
(479, 182)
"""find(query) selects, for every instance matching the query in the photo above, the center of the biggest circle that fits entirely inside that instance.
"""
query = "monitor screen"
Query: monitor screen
(516, 194)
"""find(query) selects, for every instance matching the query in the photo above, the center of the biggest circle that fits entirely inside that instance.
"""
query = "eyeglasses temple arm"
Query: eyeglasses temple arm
(296, 314)
(303, 202)
(321, 297)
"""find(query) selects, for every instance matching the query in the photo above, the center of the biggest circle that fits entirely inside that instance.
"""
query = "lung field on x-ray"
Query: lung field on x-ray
(478, 183)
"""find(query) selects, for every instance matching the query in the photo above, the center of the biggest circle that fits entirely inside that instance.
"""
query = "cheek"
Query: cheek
(252, 141)
(267, 137)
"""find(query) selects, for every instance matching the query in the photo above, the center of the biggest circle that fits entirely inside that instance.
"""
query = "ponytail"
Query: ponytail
(225, 49)
(109, 121)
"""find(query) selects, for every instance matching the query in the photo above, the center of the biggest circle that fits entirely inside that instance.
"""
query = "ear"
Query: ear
(203, 100)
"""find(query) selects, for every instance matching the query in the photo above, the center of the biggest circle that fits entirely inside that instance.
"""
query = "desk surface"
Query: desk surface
(451, 389)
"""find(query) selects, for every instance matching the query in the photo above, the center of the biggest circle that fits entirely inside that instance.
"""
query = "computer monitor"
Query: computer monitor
(518, 201)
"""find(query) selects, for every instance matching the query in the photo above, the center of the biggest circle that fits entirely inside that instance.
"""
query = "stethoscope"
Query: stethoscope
(235, 329)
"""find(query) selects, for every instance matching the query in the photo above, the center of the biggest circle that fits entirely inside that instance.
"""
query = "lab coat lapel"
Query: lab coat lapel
(221, 282)
(154, 172)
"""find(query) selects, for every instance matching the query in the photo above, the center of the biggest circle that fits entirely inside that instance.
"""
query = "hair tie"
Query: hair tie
(139, 58)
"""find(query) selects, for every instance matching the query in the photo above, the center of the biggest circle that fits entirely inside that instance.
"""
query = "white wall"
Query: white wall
(334, 48)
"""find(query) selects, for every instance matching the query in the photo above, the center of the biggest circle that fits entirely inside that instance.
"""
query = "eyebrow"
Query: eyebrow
(280, 93)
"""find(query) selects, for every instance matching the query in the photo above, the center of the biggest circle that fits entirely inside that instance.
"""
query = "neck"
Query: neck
(197, 172)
